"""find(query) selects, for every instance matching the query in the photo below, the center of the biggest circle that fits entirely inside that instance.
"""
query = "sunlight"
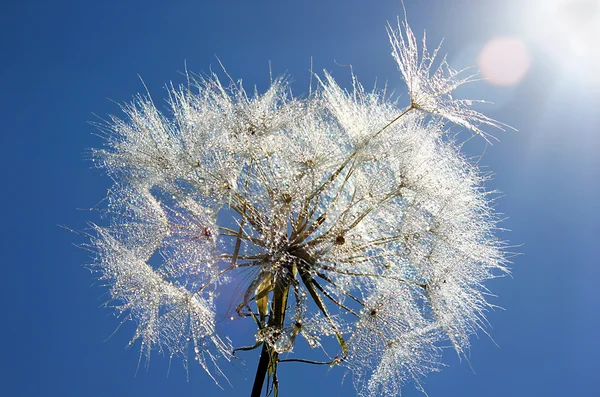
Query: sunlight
(568, 30)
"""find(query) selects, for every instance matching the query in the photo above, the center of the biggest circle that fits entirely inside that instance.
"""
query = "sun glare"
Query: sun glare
(568, 30)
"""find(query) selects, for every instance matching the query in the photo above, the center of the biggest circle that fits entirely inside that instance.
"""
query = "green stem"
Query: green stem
(261, 370)
(269, 358)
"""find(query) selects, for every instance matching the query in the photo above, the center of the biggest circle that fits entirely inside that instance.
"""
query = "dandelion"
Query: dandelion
(338, 216)
(431, 82)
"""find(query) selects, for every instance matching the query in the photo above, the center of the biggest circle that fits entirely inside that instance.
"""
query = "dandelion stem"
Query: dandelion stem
(261, 370)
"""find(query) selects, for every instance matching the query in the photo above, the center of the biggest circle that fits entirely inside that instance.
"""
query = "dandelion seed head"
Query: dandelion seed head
(338, 216)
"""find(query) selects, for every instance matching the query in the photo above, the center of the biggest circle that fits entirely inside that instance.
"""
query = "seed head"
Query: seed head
(348, 218)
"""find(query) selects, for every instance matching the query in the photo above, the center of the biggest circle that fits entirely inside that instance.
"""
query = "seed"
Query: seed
(339, 240)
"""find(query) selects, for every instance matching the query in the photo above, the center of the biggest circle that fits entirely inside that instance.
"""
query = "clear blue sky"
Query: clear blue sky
(61, 60)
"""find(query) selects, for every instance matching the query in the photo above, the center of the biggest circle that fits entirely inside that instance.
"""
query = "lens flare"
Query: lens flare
(504, 61)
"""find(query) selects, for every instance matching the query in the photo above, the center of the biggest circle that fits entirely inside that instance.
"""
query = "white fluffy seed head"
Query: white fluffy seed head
(341, 198)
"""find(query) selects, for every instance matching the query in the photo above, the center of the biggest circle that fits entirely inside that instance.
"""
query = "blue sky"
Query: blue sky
(64, 61)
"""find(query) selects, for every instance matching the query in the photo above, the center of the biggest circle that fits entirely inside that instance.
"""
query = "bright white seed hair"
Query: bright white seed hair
(431, 82)
(349, 218)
